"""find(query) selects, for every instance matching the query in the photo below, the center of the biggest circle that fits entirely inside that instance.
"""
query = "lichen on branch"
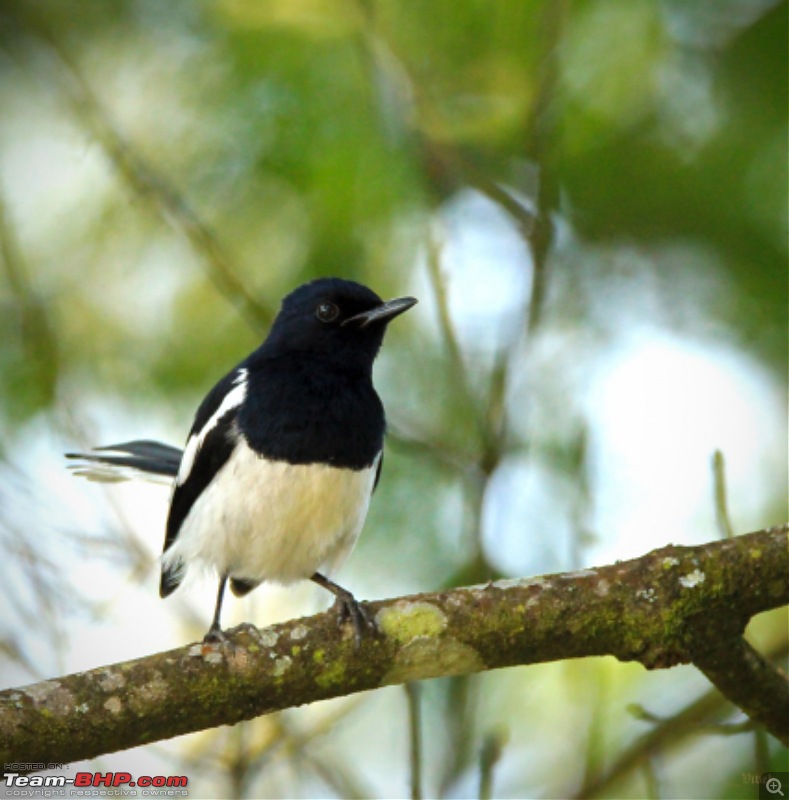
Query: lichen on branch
(672, 606)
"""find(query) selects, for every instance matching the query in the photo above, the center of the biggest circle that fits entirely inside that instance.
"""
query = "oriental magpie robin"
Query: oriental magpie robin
(284, 453)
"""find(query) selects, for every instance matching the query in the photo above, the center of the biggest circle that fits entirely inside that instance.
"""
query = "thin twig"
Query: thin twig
(492, 748)
(721, 503)
(413, 694)
(542, 134)
(448, 332)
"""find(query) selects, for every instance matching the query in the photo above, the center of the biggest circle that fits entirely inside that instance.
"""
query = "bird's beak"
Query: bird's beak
(384, 313)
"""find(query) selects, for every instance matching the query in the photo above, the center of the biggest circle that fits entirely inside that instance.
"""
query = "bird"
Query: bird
(285, 451)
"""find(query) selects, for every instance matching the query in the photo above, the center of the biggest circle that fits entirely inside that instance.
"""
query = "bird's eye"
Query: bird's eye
(327, 312)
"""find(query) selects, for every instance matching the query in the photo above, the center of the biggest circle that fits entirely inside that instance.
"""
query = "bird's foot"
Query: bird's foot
(215, 635)
(349, 609)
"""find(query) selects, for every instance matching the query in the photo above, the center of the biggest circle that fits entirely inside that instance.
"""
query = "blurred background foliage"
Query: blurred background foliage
(590, 200)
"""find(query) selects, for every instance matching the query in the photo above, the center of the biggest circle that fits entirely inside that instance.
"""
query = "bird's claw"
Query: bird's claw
(349, 609)
(216, 635)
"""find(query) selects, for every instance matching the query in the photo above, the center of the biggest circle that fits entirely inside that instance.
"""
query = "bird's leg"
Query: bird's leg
(215, 633)
(348, 607)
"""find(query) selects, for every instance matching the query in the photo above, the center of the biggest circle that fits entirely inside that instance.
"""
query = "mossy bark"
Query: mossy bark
(672, 606)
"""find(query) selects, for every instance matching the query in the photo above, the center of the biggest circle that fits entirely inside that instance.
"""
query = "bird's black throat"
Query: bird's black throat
(312, 412)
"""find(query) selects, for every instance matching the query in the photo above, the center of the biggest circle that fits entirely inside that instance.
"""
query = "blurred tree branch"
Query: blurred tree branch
(705, 713)
(141, 176)
(672, 606)
(37, 333)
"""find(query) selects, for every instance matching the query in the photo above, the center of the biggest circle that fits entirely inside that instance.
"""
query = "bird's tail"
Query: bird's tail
(149, 460)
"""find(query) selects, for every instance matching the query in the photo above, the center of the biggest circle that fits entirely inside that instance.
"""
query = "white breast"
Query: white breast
(269, 520)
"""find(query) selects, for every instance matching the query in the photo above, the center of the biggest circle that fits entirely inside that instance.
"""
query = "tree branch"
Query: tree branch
(139, 174)
(735, 668)
(672, 606)
(704, 714)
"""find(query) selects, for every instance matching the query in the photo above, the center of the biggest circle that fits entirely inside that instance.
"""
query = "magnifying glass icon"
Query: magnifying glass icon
(773, 786)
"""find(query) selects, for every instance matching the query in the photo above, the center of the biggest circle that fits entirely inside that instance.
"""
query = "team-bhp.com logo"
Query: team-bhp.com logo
(92, 784)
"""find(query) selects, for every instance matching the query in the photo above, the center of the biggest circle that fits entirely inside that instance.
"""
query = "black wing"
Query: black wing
(211, 441)
(378, 471)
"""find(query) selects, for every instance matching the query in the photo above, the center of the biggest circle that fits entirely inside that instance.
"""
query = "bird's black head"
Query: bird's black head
(341, 320)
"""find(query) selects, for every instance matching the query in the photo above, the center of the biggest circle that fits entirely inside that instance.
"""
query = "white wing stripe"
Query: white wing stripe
(234, 398)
